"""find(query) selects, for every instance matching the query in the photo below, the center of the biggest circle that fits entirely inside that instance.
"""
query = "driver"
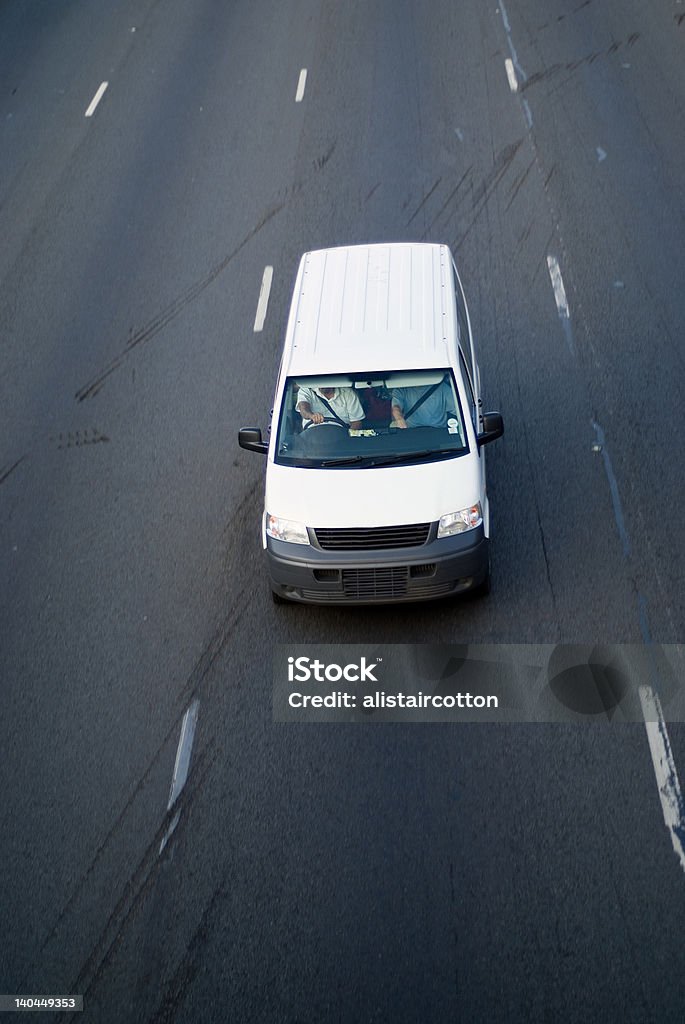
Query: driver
(341, 405)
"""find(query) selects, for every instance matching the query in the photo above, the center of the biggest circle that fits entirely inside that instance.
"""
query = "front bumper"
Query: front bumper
(438, 568)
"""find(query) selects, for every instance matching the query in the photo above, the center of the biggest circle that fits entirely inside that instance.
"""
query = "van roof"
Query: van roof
(372, 307)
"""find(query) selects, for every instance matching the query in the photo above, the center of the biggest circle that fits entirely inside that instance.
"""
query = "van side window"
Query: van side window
(469, 389)
(463, 325)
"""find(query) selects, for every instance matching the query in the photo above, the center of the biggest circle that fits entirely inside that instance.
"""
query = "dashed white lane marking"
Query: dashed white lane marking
(301, 82)
(96, 99)
(181, 767)
(558, 286)
(667, 781)
(511, 74)
(263, 302)
(601, 154)
(185, 746)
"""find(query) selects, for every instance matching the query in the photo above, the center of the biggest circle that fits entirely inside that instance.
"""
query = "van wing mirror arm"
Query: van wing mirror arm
(250, 438)
(493, 427)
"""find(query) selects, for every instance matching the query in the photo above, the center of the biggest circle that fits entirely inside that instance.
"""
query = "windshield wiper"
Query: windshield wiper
(343, 462)
(408, 456)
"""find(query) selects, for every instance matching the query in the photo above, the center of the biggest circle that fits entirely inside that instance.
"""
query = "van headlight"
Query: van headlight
(286, 529)
(460, 522)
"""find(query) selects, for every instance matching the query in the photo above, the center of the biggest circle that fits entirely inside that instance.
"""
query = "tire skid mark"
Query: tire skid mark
(158, 323)
(321, 161)
(585, 3)
(377, 185)
(517, 185)
(99, 853)
(138, 885)
(450, 197)
(204, 663)
(223, 631)
(9, 469)
(524, 236)
(573, 65)
(492, 179)
(550, 176)
(189, 965)
(482, 195)
(213, 650)
(79, 438)
(424, 201)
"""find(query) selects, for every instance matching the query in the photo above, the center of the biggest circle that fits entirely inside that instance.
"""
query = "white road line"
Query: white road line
(613, 489)
(300, 85)
(96, 99)
(667, 781)
(529, 114)
(263, 299)
(170, 831)
(511, 74)
(601, 154)
(185, 746)
(558, 286)
(510, 43)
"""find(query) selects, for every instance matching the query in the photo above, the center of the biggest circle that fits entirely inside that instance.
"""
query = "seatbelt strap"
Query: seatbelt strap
(332, 411)
(419, 402)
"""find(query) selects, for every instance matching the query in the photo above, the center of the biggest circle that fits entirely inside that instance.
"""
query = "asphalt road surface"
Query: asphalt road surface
(316, 873)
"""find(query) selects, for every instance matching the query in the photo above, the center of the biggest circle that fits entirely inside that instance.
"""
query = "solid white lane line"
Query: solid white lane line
(511, 74)
(185, 746)
(613, 488)
(300, 85)
(558, 286)
(667, 781)
(505, 17)
(96, 99)
(510, 43)
(263, 299)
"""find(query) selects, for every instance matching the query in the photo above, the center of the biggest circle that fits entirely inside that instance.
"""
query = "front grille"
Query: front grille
(360, 584)
(376, 538)
(370, 590)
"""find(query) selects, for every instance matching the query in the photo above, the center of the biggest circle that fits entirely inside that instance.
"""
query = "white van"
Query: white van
(375, 479)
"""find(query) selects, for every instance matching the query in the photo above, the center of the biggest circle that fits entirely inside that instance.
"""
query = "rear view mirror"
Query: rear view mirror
(250, 438)
(493, 427)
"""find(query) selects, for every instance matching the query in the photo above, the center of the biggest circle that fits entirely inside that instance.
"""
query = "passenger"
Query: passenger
(425, 406)
(338, 404)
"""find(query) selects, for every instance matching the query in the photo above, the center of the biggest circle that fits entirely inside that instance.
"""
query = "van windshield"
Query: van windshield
(387, 418)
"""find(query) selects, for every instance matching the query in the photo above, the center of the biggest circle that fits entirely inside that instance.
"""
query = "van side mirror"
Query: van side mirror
(250, 438)
(493, 427)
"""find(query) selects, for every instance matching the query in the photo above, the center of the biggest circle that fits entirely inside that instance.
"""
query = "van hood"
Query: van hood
(387, 496)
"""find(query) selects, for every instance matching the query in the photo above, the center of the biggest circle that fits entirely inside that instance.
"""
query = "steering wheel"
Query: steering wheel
(328, 421)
